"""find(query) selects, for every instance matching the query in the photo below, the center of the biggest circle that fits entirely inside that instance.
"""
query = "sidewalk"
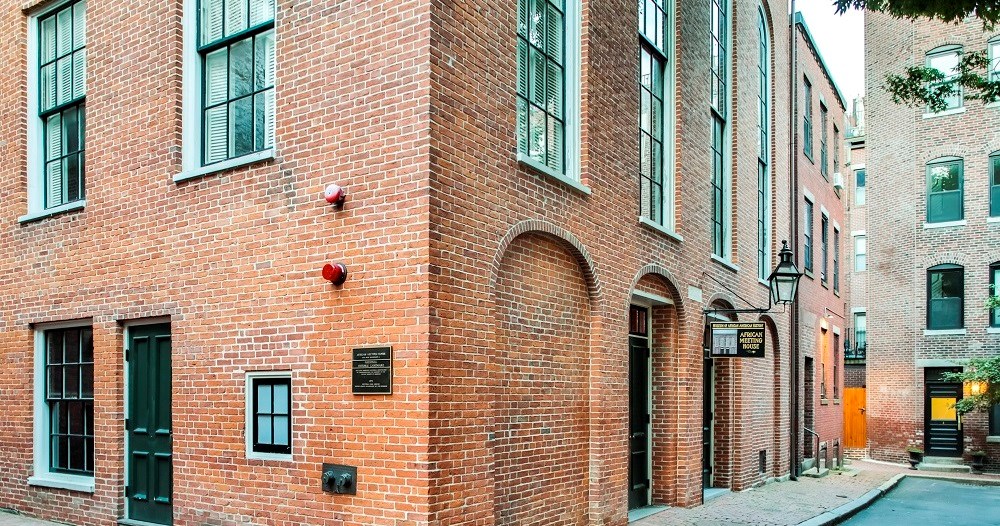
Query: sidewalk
(790, 503)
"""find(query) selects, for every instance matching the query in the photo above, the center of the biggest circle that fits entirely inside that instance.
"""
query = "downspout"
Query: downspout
(793, 158)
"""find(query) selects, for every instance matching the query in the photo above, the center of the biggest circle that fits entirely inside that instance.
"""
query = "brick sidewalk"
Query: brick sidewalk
(789, 503)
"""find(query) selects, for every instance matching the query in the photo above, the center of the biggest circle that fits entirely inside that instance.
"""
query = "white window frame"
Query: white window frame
(571, 106)
(249, 416)
(863, 238)
(727, 144)
(35, 142)
(993, 51)
(192, 133)
(764, 216)
(42, 476)
(942, 51)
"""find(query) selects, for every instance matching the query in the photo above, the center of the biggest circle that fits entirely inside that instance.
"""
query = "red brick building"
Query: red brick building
(934, 239)
(820, 187)
(542, 200)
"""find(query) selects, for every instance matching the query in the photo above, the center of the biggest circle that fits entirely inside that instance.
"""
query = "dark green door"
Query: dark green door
(638, 494)
(149, 491)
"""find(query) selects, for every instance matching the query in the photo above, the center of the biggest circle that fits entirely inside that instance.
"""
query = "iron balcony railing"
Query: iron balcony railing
(855, 351)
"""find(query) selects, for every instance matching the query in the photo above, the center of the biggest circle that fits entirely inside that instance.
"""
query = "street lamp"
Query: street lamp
(784, 281)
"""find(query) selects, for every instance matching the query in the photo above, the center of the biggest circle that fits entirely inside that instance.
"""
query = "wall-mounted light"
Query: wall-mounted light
(974, 388)
(335, 195)
(335, 273)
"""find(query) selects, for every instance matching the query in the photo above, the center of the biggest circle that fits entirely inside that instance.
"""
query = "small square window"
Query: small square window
(269, 414)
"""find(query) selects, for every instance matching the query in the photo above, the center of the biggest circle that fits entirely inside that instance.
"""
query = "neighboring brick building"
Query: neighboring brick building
(933, 227)
(856, 262)
(538, 264)
(821, 207)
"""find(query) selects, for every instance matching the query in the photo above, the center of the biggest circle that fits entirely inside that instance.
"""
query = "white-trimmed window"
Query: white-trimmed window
(945, 189)
(994, 55)
(548, 86)
(229, 78)
(269, 415)
(824, 169)
(945, 59)
(656, 179)
(860, 253)
(64, 407)
(807, 236)
(57, 89)
(763, 147)
(860, 183)
(807, 112)
(721, 132)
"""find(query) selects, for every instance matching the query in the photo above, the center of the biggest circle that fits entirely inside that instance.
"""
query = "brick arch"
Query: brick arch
(564, 237)
(666, 277)
(721, 300)
(954, 258)
(946, 150)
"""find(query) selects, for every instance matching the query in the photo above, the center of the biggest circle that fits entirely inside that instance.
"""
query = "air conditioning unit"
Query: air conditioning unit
(838, 180)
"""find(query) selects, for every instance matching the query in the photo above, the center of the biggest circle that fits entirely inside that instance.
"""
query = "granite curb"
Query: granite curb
(845, 511)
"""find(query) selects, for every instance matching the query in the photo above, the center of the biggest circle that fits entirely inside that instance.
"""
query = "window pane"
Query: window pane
(47, 36)
(554, 35)
(240, 68)
(241, 127)
(79, 25)
(281, 431)
(71, 379)
(55, 382)
(263, 398)
(64, 80)
(64, 32)
(72, 339)
(211, 21)
(48, 87)
(87, 346)
(79, 73)
(75, 418)
(281, 399)
(264, 60)
(216, 141)
(264, 430)
(236, 16)
(54, 344)
(87, 381)
(261, 11)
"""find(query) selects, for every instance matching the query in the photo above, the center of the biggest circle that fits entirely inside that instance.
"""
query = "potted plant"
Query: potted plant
(916, 455)
(978, 460)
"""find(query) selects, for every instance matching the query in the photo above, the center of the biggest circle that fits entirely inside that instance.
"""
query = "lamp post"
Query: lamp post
(783, 284)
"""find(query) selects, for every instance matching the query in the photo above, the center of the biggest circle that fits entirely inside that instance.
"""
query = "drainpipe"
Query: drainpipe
(793, 347)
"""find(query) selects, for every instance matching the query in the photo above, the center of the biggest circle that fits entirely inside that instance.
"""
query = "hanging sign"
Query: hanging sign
(737, 339)
(371, 371)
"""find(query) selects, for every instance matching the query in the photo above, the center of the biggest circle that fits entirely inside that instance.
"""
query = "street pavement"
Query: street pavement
(814, 500)
(930, 501)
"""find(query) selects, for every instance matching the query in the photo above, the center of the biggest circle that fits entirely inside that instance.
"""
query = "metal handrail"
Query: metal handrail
(816, 449)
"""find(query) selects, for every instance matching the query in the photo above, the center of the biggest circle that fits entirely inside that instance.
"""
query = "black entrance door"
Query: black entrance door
(638, 381)
(942, 424)
(150, 485)
(707, 424)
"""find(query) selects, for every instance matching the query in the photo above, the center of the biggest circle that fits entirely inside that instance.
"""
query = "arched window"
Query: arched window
(763, 148)
(945, 59)
(945, 297)
(944, 190)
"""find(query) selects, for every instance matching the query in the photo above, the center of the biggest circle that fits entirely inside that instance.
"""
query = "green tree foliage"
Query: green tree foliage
(947, 10)
(979, 370)
(921, 86)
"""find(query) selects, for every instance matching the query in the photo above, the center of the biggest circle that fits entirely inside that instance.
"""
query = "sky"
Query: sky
(841, 41)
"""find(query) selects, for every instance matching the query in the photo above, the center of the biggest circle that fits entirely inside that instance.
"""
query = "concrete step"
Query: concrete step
(815, 473)
(958, 461)
(948, 467)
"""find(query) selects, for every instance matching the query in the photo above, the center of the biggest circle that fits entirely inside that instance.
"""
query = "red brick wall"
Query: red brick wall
(900, 141)
(822, 309)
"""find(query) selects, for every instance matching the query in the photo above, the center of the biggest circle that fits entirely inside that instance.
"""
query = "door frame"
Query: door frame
(648, 307)
(126, 403)
(932, 376)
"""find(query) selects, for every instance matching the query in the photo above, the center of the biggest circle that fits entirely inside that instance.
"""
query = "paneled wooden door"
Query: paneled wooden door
(855, 426)
(150, 456)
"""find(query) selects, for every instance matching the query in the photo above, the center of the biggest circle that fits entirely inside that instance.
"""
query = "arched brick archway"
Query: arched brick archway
(544, 294)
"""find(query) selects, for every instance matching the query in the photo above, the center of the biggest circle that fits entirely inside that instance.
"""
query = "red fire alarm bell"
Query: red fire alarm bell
(335, 273)
(335, 195)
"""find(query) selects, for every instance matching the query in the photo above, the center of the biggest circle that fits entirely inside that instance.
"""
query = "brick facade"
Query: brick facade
(503, 292)
(900, 143)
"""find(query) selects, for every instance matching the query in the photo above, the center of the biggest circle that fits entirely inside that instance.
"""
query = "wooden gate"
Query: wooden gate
(855, 434)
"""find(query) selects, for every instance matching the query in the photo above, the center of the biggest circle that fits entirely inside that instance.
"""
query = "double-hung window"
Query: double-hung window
(824, 161)
(548, 85)
(656, 195)
(64, 408)
(944, 190)
(836, 149)
(807, 116)
(763, 148)
(945, 59)
(859, 187)
(995, 291)
(58, 88)
(860, 333)
(824, 236)
(230, 107)
(269, 415)
(721, 186)
(945, 297)
(860, 253)
(995, 184)
(807, 245)
(994, 57)
(836, 259)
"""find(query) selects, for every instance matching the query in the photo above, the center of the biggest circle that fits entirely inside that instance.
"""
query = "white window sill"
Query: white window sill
(993, 440)
(63, 481)
(993, 219)
(263, 155)
(954, 111)
(993, 330)
(725, 263)
(995, 104)
(539, 167)
(661, 229)
(944, 332)
(251, 455)
(42, 214)
(945, 224)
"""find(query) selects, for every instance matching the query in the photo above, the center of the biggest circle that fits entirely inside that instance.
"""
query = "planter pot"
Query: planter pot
(915, 458)
(977, 464)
